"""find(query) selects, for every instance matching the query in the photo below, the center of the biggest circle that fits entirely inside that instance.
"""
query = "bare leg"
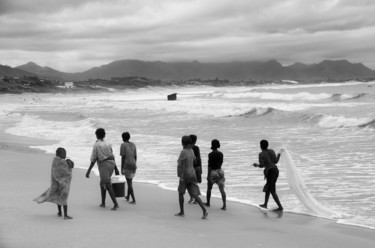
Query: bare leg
(208, 194)
(223, 197)
(191, 198)
(181, 203)
(66, 216)
(200, 203)
(59, 213)
(113, 197)
(276, 198)
(103, 193)
(130, 189)
(266, 198)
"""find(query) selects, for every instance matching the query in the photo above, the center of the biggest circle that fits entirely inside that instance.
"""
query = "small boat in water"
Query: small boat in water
(172, 97)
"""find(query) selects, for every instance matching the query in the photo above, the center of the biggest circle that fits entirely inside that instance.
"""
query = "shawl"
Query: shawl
(61, 176)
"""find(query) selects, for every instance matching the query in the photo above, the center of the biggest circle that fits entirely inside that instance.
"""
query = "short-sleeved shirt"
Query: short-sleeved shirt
(101, 151)
(185, 168)
(129, 150)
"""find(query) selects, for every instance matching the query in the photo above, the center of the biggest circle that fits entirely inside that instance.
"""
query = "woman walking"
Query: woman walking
(103, 155)
(128, 152)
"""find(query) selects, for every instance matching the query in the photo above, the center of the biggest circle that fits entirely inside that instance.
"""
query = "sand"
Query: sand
(25, 174)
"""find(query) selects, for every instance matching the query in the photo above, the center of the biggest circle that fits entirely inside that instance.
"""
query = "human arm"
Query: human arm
(261, 163)
(135, 153)
(70, 163)
(89, 169)
(116, 171)
(123, 157)
(181, 163)
(279, 154)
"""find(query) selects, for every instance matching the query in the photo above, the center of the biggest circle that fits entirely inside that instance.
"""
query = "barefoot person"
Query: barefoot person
(102, 153)
(197, 162)
(215, 173)
(128, 152)
(188, 179)
(61, 176)
(268, 161)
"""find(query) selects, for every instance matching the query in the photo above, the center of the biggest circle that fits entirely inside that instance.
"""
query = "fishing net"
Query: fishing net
(299, 188)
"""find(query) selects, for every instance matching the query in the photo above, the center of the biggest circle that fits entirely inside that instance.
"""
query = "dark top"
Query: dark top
(215, 160)
(197, 153)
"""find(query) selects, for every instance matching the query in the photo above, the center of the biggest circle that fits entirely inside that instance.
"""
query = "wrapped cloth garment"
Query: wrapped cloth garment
(61, 176)
(217, 176)
(106, 169)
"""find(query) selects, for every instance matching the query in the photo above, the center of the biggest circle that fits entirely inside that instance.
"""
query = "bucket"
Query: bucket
(118, 185)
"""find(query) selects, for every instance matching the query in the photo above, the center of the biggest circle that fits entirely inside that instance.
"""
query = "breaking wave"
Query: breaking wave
(259, 112)
(341, 97)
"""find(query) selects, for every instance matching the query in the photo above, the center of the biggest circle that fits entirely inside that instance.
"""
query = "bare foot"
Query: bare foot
(205, 214)
(278, 209)
(180, 214)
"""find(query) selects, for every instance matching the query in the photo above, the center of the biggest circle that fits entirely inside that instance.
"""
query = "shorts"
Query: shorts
(129, 173)
(216, 176)
(272, 176)
(192, 188)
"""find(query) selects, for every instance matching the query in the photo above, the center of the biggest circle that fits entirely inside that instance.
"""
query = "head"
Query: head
(185, 141)
(215, 144)
(125, 136)
(100, 133)
(193, 138)
(263, 144)
(61, 152)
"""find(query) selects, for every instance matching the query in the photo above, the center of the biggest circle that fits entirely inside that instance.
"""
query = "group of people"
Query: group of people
(102, 154)
(189, 172)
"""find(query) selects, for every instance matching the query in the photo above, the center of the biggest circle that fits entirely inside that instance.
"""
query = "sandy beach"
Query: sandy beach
(25, 174)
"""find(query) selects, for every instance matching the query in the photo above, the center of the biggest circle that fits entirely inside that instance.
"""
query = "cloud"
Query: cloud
(76, 35)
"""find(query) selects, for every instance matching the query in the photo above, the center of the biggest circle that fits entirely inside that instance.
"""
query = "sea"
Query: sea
(327, 128)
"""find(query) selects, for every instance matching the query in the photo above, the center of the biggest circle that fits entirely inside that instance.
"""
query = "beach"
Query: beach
(25, 174)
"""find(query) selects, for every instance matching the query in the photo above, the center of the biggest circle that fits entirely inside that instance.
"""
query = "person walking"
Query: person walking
(268, 161)
(188, 179)
(128, 152)
(215, 174)
(61, 176)
(197, 162)
(103, 155)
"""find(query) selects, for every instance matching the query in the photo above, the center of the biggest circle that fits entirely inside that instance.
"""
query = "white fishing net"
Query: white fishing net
(299, 188)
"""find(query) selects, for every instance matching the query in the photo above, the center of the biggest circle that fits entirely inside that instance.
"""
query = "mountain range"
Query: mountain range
(232, 71)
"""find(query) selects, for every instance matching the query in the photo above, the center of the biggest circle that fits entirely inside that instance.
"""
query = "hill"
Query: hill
(232, 71)
(13, 72)
(44, 72)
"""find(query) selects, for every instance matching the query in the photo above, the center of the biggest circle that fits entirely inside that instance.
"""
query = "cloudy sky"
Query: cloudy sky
(76, 35)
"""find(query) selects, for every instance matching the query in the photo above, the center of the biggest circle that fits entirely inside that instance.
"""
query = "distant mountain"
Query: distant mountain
(233, 71)
(13, 72)
(45, 72)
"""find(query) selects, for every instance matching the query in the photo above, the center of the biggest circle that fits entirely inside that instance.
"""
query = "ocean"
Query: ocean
(327, 128)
